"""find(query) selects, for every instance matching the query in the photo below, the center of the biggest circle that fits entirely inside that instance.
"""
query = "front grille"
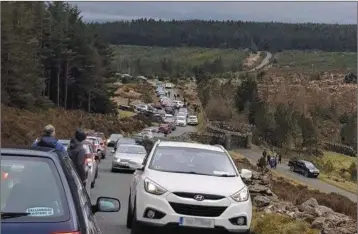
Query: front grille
(196, 210)
(206, 196)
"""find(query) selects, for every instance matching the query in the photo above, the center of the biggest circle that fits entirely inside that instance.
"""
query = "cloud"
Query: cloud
(292, 12)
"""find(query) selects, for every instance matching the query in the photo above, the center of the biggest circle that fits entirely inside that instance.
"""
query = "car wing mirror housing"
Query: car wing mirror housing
(106, 204)
(246, 174)
(140, 168)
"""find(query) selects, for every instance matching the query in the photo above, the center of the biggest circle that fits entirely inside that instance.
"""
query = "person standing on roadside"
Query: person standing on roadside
(279, 158)
(48, 139)
(77, 153)
(268, 158)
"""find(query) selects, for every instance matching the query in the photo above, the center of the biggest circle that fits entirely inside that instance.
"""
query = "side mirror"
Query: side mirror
(246, 174)
(106, 204)
(140, 168)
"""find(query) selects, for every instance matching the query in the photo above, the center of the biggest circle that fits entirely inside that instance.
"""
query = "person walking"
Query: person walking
(268, 158)
(264, 154)
(48, 139)
(77, 153)
(279, 158)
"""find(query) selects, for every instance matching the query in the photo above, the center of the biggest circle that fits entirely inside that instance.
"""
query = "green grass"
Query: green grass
(317, 61)
(279, 224)
(183, 57)
(126, 114)
(331, 166)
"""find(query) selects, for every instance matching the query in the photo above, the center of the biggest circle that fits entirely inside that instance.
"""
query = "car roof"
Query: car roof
(64, 140)
(30, 151)
(132, 145)
(190, 145)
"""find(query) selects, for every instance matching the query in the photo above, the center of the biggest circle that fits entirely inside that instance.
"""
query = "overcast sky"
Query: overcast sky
(318, 12)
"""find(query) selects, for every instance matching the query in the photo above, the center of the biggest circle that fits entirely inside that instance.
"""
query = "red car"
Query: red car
(165, 128)
(98, 145)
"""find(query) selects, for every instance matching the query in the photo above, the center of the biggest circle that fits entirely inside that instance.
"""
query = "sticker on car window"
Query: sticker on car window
(40, 211)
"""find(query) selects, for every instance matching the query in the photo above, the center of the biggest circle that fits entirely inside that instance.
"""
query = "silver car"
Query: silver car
(128, 157)
(65, 142)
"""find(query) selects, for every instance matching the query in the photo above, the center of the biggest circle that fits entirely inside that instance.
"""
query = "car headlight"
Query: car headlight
(153, 188)
(116, 159)
(242, 195)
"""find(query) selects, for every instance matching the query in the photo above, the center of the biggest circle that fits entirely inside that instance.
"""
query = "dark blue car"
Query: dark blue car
(43, 194)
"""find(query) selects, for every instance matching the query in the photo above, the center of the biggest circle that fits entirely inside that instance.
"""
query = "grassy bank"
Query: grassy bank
(149, 60)
(316, 61)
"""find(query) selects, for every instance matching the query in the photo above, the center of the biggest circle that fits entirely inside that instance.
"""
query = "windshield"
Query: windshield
(126, 141)
(32, 186)
(114, 137)
(192, 160)
(309, 165)
(131, 149)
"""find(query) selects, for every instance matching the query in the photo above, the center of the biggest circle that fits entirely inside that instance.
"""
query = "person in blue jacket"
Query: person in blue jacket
(48, 139)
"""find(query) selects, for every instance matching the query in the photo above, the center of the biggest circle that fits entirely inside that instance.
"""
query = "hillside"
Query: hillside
(22, 127)
(175, 61)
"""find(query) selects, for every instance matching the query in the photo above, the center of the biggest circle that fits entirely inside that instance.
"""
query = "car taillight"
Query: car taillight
(5, 175)
(66, 233)
(89, 160)
(101, 143)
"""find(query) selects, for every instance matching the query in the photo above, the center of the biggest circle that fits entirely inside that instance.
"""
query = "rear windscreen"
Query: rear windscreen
(32, 186)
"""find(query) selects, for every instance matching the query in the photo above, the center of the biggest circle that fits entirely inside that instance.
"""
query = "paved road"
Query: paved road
(112, 185)
(254, 154)
(264, 62)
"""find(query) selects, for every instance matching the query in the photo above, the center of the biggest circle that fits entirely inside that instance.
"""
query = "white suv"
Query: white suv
(189, 185)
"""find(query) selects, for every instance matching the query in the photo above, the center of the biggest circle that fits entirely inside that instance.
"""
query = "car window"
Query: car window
(33, 185)
(131, 149)
(309, 165)
(180, 118)
(126, 141)
(87, 148)
(189, 160)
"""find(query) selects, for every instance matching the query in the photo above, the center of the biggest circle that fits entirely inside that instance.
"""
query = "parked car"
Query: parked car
(124, 140)
(193, 120)
(128, 157)
(170, 110)
(113, 138)
(183, 110)
(165, 128)
(92, 161)
(180, 121)
(96, 141)
(56, 201)
(304, 167)
(171, 189)
(65, 142)
(170, 119)
(178, 104)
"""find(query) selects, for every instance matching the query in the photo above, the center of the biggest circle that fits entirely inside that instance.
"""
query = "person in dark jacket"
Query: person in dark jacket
(147, 144)
(77, 153)
(48, 139)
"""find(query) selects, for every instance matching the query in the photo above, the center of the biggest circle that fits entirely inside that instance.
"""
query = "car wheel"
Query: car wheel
(306, 174)
(129, 214)
(136, 228)
(113, 170)
(96, 175)
(93, 183)
(292, 168)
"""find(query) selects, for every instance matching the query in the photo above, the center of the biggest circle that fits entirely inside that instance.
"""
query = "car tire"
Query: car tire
(129, 214)
(113, 170)
(306, 174)
(292, 168)
(136, 228)
(93, 183)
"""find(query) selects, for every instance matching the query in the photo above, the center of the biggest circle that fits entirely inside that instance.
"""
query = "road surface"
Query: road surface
(117, 185)
(112, 185)
(254, 154)
(264, 62)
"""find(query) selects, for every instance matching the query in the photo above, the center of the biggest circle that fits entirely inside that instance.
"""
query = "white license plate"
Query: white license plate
(196, 222)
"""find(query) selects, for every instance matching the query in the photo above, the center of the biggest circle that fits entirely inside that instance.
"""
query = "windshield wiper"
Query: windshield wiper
(9, 215)
(189, 172)
(225, 175)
